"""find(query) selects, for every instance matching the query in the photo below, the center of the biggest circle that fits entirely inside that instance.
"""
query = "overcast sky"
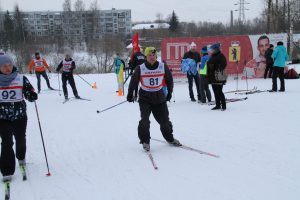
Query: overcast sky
(186, 10)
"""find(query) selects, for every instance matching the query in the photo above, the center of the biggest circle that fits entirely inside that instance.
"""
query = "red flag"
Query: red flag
(135, 44)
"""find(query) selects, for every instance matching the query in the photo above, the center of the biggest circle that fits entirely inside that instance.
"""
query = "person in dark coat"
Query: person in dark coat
(217, 62)
(137, 59)
(151, 75)
(269, 61)
(14, 88)
(193, 54)
(68, 65)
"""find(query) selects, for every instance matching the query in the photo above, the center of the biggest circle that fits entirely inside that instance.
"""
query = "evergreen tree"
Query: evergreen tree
(19, 27)
(174, 23)
(8, 26)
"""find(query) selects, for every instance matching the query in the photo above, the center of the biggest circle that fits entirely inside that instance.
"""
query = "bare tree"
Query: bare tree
(94, 6)
(67, 5)
(79, 5)
(269, 7)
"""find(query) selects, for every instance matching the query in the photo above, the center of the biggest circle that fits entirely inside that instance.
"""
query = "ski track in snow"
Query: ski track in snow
(98, 156)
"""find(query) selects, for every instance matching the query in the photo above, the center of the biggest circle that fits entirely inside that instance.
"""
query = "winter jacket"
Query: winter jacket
(73, 66)
(280, 56)
(203, 65)
(117, 64)
(189, 66)
(268, 56)
(16, 110)
(216, 62)
(196, 57)
(151, 97)
(43, 65)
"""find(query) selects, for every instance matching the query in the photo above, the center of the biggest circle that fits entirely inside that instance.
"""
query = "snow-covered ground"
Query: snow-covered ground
(98, 156)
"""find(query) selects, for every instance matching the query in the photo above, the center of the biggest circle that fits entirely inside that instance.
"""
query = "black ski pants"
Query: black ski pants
(161, 115)
(68, 77)
(219, 95)
(191, 79)
(38, 76)
(278, 72)
(269, 68)
(204, 89)
(8, 130)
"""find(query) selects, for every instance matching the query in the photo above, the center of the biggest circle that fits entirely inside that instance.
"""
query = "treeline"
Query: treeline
(279, 16)
(15, 38)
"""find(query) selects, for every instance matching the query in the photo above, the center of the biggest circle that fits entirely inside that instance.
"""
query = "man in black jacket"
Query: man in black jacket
(217, 62)
(68, 65)
(151, 75)
(193, 54)
(13, 116)
(269, 61)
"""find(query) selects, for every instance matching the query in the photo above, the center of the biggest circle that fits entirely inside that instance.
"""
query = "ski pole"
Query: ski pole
(174, 96)
(58, 85)
(111, 107)
(84, 80)
(37, 113)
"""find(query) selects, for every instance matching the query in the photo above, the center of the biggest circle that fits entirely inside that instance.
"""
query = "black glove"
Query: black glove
(130, 98)
(32, 97)
(169, 96)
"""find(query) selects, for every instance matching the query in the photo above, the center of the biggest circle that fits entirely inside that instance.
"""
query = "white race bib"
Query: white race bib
(13, 92)
(152, 80)
(67, 66)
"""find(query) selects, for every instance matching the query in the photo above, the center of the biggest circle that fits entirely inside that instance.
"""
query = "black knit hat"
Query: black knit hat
(280, 43)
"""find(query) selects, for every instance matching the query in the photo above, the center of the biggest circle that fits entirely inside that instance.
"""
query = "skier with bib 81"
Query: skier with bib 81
(151, 75)
(13, 117)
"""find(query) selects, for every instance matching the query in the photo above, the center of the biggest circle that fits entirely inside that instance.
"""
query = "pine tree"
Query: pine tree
(19, 27)
(174, 23)
(8, 26)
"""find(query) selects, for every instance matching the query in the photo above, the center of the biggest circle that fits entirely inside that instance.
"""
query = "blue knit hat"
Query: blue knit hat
(215, 46)
(204, 50)
(5, 59)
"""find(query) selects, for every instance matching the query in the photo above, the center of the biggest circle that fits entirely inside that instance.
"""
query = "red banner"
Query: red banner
(237, 49)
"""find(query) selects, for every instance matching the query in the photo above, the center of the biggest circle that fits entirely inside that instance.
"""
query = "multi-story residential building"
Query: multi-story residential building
(77, 26)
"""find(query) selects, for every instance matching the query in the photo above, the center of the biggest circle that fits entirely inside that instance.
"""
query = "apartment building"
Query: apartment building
(77, 26)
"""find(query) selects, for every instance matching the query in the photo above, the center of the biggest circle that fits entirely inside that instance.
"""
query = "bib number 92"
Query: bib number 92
(8, 94)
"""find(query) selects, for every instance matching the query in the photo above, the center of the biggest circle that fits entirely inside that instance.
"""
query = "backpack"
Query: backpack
(291, 74)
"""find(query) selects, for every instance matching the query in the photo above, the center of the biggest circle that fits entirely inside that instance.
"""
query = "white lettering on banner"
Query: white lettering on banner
(179, 47)
(13, 92)
(152, 80)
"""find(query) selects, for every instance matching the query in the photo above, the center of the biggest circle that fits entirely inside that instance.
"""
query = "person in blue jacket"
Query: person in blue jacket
(117, 65)
(280, 56)
(204, 88)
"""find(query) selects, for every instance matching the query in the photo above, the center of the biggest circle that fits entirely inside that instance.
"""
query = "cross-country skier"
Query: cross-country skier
(14, 87)
(68, 65)
(39, 65)
(151, 97)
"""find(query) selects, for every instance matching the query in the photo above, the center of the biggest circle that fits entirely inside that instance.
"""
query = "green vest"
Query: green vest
(204, 70)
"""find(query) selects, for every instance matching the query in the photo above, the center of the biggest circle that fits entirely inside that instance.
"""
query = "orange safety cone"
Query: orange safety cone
(120, 92)
(94, 85)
